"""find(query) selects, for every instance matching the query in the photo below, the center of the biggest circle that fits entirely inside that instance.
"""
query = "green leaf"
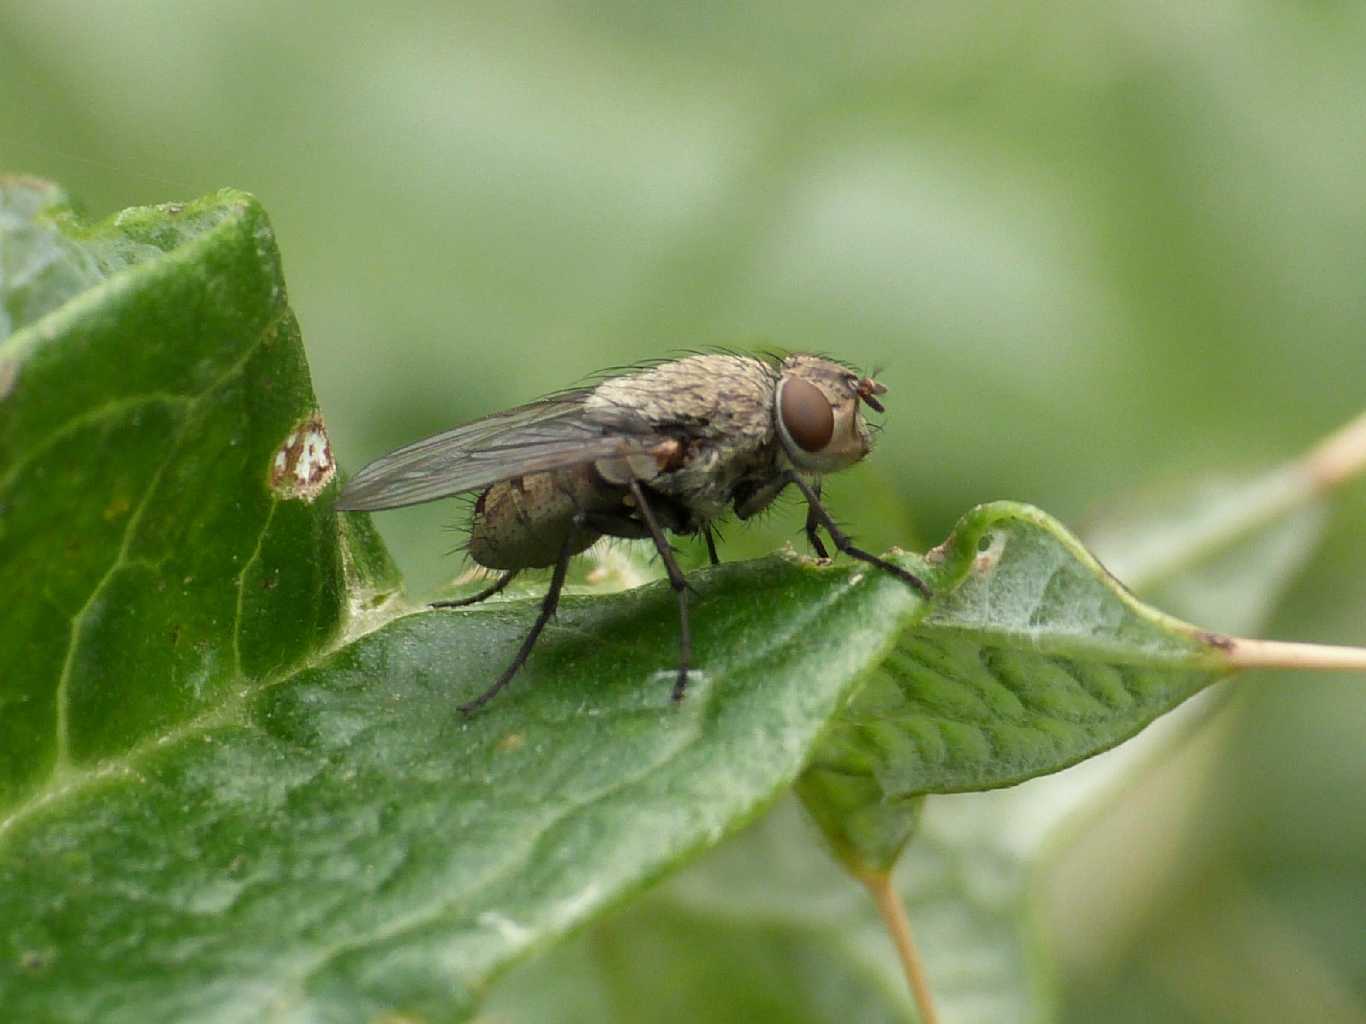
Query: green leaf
(768, 928)
(140, 428)
(235, 783)
(343, 838)
(1031, 658)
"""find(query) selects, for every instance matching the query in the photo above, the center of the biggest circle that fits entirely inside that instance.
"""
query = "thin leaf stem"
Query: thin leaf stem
(1338, 457)
(893, 912)
(1335, 460)
(1246, 653)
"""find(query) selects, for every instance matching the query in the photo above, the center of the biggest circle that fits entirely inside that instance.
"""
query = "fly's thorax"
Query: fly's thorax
(716, 399)
(523, 523)
(718, 407)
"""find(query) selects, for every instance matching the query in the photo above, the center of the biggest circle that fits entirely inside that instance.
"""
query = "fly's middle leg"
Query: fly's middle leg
(676, 580)
(711, 544)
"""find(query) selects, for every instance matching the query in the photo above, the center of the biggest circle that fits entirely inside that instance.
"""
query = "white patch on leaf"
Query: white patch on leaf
(303, 463)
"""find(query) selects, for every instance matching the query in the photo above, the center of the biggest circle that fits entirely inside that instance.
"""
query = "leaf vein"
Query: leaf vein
(241, 585)
(85, 419)
(62, 759)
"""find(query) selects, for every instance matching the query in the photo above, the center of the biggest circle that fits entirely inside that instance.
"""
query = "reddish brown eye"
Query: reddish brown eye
(807, 415)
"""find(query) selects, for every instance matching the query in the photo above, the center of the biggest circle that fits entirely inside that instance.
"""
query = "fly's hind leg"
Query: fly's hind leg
(498, 584)
(548, 606)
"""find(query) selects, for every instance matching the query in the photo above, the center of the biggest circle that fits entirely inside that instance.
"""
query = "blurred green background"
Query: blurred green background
(1092, 247)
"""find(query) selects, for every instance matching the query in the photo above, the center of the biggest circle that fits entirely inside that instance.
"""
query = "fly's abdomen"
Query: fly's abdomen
(523, 523)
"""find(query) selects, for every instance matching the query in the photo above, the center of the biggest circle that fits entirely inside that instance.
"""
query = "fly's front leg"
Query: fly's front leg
(762, 497)
(676, 580)
(816, 511)
(812, 537)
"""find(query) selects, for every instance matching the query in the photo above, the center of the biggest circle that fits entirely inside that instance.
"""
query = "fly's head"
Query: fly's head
(818, 416)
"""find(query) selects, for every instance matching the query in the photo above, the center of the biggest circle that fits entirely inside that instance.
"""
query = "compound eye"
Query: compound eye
(806, 414)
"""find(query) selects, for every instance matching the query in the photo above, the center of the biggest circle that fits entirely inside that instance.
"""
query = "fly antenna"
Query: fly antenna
(867, 388)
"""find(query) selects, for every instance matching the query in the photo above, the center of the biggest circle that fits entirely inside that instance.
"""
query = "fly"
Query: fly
(672, 447)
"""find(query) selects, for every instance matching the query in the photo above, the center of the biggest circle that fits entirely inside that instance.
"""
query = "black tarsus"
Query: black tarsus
(498, 584)
(844, 544)
(711, 545)
(677, 581)
(548, 605)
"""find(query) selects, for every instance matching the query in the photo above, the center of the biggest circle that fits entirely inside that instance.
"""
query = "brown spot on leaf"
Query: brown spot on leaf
(117, 508)
(303, 463)
(512, 741)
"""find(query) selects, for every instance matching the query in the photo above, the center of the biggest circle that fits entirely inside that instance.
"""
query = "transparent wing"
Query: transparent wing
(551, 434)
